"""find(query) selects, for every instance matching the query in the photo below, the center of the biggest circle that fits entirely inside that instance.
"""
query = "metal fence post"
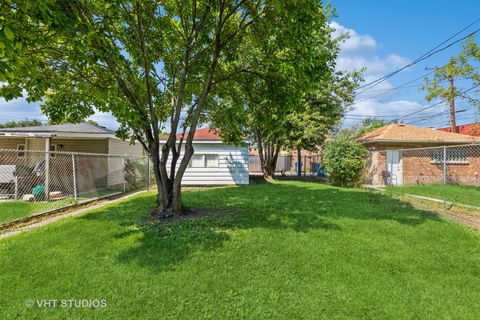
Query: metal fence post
(400, 163)
(47, 169)
(444, 165)
(74, 170)
(148, 173)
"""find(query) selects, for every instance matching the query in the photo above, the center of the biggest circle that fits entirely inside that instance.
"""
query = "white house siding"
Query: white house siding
(232, 166)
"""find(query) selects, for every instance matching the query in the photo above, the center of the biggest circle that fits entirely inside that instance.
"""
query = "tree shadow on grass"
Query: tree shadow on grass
(287, 206)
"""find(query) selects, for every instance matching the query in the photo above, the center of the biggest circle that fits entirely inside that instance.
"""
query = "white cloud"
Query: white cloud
(355, 42)
(362, 51)
(105, 119)
(390, 110)
(19, 109)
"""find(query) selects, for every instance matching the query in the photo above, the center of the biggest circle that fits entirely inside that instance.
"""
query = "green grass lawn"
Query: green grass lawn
(14, 210)
(454, 193)
(11, 210)
(288, 250)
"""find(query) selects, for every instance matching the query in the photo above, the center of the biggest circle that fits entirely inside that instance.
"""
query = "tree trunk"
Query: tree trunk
(268, 156)
(299, 160)
(169, 200)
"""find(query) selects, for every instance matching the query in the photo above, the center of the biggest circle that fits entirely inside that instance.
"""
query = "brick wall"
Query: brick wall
(420, 165)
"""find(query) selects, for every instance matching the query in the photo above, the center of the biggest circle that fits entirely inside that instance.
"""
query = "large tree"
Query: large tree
(152, 64)
(293, 95)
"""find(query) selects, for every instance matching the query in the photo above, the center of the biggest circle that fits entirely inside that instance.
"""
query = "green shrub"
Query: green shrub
(344, 160)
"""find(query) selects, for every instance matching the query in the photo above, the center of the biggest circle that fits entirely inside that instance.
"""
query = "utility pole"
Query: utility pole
(451, 90)
(450, 94)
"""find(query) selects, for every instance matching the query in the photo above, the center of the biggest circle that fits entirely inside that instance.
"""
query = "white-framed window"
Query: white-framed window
(453, 156)
(204, 161)
(197, 161)
(211, 160)
(53, 148)
(21, 150)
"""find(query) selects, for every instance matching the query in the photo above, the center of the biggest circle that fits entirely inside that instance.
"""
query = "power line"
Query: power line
(436, 115)
(426, 55)
(403, 86)
(445, 112)
(363, 116)
(435, 104)
(418, 60)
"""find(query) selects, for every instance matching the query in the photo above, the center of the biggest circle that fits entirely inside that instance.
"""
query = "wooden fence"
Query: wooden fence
(283, 164)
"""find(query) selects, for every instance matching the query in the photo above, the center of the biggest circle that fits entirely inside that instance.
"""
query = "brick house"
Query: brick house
(404, 154)
(472, 129)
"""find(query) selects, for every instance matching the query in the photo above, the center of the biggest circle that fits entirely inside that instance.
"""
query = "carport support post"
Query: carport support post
(444, 165)
(74, 171)
(47, 168)
(123, 175)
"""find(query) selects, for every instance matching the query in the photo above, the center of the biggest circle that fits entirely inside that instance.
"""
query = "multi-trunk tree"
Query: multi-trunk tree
(153, 64)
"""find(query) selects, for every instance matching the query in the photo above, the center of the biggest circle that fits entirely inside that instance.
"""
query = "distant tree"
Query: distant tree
(367, 125)
(22, 123)
(292, 95)
(371, 124)
(471, 51)
(444, 84)
(307, 127)
(92, 122)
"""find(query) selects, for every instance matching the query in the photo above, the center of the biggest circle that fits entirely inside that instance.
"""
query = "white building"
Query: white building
(214, 162)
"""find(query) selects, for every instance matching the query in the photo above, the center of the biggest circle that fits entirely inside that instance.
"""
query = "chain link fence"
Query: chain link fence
(456, 165)
(35, 182)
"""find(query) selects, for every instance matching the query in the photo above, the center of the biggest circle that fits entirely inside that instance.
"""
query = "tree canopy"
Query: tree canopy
(21, 123)
(292, 95)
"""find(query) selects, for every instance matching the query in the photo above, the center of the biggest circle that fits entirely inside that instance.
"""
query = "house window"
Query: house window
(21, 150)
(453, 156)
(204, 161)
(211, 160)
(197, 161)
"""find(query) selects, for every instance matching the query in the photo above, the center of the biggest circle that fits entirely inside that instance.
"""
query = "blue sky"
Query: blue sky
(385, 35)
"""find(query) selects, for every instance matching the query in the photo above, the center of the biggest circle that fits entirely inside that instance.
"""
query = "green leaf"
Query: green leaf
(8, 33)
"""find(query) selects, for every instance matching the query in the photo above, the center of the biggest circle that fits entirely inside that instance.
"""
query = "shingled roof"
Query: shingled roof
(204, 134)
(472, 129)
(62, 128)
(396, 133)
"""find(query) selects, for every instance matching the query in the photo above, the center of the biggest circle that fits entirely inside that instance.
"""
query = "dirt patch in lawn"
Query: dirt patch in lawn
(184, 216)
(469, 217)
